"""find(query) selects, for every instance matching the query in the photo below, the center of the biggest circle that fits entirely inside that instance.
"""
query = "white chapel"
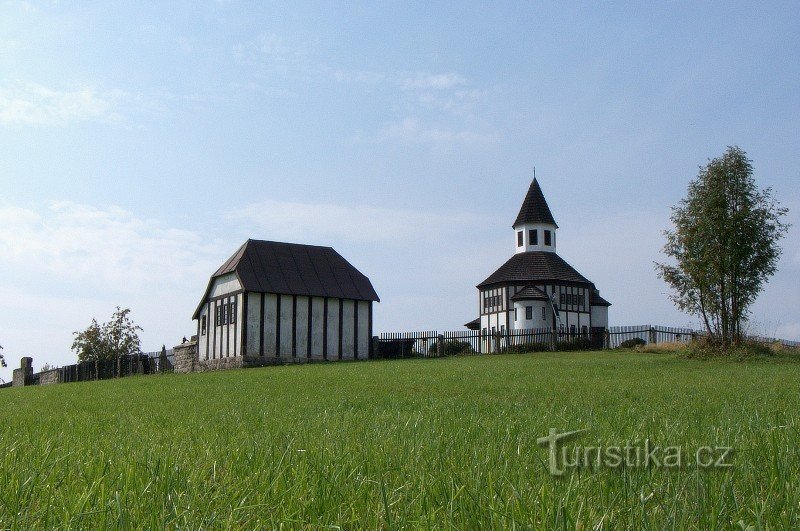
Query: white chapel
(536, 288)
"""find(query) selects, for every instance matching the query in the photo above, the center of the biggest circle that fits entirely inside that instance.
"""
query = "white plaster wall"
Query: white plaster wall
(270, 323)
(600, 316)
(286, 326)
(537, 321)
(225, 284)
(541, 227)
(302, 327)
(202, 339)
(348, 330)
(317, 326)
(222, 336)
(363, 330)
(253, 319)
(333, 329)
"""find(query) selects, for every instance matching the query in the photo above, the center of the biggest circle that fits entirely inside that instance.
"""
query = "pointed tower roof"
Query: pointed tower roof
(534, 208)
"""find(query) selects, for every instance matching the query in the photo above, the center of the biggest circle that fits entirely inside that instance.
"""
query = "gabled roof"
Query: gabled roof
(533, 267)
(534, 209)
(530, 293)
(294, 269)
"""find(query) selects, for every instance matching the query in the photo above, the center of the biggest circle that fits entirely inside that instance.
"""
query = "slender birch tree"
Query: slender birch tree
(724, 245)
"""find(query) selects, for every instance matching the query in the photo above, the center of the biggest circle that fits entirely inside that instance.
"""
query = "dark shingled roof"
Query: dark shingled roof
(530, 293)
(597, 300)
(295, 269)
(474, 324)
(534, 266)
(534, 208)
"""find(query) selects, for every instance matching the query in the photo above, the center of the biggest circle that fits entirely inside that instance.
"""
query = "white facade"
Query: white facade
(570, 308)
(536, 289)
(535, 237)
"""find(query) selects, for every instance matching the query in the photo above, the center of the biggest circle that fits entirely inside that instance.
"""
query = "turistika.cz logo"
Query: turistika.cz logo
(644, 455)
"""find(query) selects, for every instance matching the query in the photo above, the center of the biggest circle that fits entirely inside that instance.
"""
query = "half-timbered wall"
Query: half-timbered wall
(308, 327)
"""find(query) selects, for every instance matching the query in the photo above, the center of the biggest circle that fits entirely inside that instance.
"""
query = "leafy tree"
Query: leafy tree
(724, 244)
(117, 338)
(91, 344)
(2, 359)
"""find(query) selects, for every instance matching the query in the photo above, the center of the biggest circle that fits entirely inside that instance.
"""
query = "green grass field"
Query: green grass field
(440, 443)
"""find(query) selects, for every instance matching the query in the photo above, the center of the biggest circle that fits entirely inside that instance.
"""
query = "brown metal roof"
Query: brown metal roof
(295, 269)
(535, 266)
(534, 209)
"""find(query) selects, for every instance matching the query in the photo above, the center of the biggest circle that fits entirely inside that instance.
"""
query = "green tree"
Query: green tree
(122, 336)
(91, 344)
(112, 341)
(2, 359)
(724, 243)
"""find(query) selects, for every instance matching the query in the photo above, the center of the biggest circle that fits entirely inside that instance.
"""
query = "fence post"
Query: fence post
(606, 339)
(439, 346)
(553, 338)
(653, 336)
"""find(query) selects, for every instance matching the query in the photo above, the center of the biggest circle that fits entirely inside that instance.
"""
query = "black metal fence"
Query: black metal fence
(434, 344)
(157, 362)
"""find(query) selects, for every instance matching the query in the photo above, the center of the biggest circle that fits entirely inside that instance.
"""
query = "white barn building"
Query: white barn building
(276, 301)
(536, 288)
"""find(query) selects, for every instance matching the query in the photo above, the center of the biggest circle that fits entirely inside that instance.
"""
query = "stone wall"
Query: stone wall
(186, 357)
(50, 377)
(23, 375)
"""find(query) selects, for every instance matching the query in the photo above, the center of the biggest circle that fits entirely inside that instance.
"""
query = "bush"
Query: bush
(663, 348)
(528, 347)
(633, 343)
(451, 347)
(707, 349)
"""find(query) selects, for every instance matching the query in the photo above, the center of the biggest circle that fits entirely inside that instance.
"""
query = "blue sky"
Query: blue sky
(142, 144)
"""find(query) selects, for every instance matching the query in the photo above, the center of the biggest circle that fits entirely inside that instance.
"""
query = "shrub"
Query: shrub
(744, 351)
(451, 347)
(662, 348)
(528, 347)
(633, 343)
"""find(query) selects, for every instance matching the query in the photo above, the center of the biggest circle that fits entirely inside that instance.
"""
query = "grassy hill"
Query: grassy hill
(416, 443)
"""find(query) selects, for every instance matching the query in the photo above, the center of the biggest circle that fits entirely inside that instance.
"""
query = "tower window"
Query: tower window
(544, 316)
(520, 236)
(528, 312)
(515, 315)
(533, 237)
(548, 237)
(203, 325)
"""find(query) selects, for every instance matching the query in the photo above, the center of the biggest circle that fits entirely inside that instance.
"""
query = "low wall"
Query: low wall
(50, 377)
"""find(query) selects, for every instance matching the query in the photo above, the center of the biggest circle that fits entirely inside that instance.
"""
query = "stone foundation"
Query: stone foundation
(186, 360)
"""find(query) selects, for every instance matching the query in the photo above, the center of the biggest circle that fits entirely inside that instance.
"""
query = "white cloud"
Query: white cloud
(64, 263)
(33, 104)
(411, 129)
(100, 248)
(433, 81)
